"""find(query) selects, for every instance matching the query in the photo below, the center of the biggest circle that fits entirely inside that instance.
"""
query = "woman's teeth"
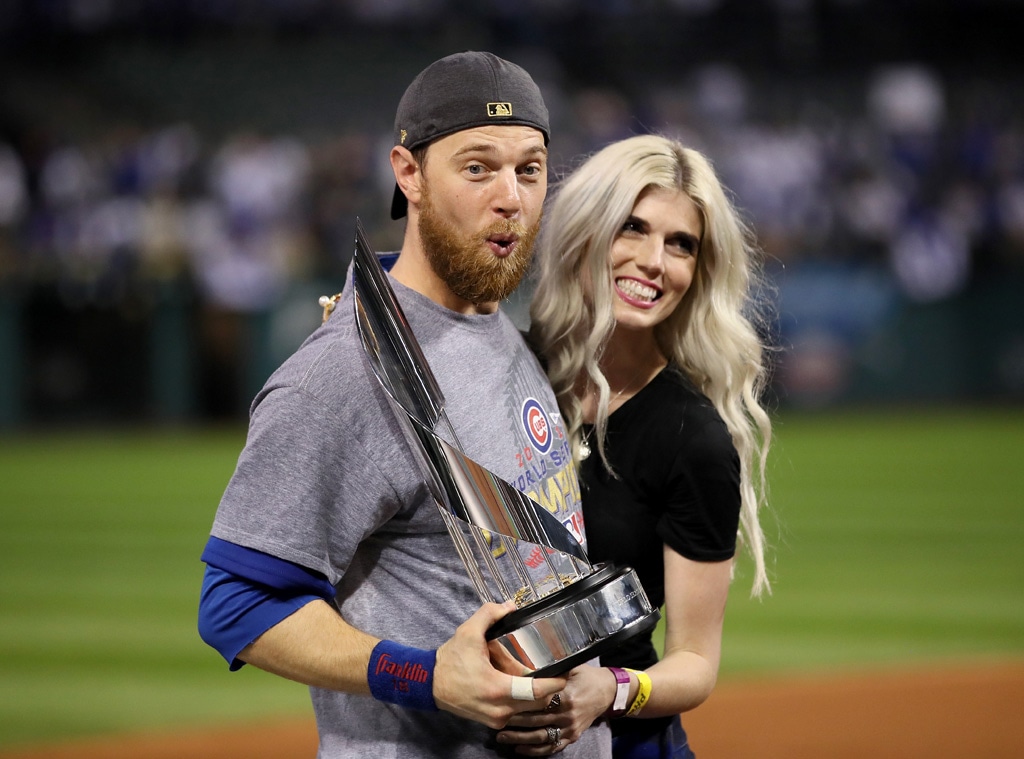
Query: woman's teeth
(636, 290)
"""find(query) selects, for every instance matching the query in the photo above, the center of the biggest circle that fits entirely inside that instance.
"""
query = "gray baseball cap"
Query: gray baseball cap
(463, 91)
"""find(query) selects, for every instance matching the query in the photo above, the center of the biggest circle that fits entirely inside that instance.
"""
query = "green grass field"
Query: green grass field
(896, 539)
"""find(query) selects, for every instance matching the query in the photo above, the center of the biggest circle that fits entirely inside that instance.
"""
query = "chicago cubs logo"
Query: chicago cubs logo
(538, 428)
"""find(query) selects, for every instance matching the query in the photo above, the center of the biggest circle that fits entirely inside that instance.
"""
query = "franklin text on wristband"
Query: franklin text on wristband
(402, 675)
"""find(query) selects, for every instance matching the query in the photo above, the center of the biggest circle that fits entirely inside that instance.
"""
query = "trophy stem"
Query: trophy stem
(443, 423)
(527, 522)
(531, 529)
(466, 555)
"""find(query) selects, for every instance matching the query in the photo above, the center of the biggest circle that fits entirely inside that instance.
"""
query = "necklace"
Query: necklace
(585, 449)
(585, 446)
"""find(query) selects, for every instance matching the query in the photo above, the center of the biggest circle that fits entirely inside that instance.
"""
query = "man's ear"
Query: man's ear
(407, 173)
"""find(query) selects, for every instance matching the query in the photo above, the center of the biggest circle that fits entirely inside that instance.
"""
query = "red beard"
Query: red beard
(466, 265)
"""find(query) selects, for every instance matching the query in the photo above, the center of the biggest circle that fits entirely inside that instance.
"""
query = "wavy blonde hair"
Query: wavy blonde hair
(712, 335)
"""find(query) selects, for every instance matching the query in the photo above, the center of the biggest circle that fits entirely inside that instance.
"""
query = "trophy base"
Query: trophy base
(577, 623)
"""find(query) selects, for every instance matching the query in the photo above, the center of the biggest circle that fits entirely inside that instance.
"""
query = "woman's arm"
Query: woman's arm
(695, 596)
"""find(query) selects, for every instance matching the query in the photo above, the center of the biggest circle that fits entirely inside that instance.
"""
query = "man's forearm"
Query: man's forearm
(314, 646)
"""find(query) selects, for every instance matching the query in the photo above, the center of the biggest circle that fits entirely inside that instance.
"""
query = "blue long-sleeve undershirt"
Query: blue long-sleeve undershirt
(246, 592)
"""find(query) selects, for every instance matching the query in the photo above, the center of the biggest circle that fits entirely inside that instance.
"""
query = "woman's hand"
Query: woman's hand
(586, 696)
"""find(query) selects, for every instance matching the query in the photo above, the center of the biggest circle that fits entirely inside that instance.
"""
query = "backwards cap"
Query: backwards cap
(463, 91)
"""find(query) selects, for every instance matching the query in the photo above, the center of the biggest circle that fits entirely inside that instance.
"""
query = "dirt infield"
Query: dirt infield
(970, 712)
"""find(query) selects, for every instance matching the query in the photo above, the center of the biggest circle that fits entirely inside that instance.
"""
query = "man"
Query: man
(328, 563)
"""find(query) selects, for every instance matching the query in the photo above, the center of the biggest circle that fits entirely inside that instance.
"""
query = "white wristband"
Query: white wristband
(619, 704)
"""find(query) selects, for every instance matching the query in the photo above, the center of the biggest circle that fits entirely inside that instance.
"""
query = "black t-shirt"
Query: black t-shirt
(678, 485)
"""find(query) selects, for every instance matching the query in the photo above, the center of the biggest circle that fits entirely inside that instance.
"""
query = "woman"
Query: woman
(644, 315)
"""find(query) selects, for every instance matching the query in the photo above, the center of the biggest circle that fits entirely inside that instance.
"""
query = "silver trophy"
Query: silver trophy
(568, 611)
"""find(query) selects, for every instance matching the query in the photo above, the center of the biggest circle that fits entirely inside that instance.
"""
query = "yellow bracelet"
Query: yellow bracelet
(641, 695)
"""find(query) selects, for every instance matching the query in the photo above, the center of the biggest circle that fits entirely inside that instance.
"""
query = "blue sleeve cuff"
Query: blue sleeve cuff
(246, 592)
(233, 612)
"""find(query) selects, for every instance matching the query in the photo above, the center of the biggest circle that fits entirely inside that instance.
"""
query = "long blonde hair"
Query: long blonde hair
(711, 336)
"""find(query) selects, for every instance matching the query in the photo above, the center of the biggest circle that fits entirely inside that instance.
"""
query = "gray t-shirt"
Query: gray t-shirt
(326, 480)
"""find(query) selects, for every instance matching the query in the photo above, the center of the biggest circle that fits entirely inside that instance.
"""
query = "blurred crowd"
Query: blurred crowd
(238, 218)
(910, 175)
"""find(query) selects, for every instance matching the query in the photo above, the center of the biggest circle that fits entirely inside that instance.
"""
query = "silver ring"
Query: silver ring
(556, 701)
(554, 735)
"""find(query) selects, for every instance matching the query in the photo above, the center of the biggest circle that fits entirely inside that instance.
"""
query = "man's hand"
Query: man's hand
(467, 684)
(587, 695)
